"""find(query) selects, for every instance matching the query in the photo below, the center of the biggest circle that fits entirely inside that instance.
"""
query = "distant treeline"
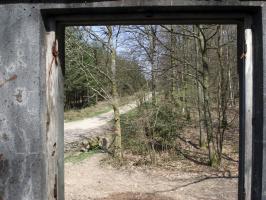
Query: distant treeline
(87, 72)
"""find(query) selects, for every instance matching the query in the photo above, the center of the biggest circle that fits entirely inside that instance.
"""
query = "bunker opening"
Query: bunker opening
(151, 112)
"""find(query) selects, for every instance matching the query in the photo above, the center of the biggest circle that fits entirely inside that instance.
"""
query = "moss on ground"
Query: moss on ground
(76, 157)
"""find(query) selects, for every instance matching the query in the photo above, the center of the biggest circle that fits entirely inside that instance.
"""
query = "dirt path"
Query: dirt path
(89, 180)
(94, 126)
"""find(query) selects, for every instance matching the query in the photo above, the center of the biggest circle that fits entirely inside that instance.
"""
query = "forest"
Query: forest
(181, 82)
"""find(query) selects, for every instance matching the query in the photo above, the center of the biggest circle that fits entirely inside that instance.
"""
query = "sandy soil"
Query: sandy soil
(92, 180)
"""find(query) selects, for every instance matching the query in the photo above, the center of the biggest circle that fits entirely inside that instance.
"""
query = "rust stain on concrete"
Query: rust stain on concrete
(12, 78)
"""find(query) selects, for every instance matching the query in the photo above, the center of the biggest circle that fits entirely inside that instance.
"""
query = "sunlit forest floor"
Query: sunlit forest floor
(179, 174)
(188, 157)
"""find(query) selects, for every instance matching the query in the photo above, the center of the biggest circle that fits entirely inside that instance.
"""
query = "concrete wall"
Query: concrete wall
(22, 104)
(30, 122)
(259, 158)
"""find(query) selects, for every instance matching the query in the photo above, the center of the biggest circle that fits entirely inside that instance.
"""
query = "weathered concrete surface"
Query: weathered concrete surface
(260, 138)
(22, 124)
(54, 118)
(31, 122)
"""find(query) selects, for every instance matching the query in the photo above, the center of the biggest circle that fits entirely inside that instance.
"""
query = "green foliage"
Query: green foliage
(132, 139)
(167, 123)
(87, 72)
(130, 77)
(149, 124)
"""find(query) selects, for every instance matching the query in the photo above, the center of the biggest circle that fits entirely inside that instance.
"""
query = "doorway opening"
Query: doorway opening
(151, 112)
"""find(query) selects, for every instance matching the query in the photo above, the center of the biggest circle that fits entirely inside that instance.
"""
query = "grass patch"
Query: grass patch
(92, 111)
(78, 156)
(74, 115)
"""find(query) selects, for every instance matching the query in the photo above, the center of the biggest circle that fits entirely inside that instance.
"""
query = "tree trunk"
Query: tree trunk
(115, 97)
(152, 38)
(172, 64)
(206, 98)
(202, 136)
(222, 101)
